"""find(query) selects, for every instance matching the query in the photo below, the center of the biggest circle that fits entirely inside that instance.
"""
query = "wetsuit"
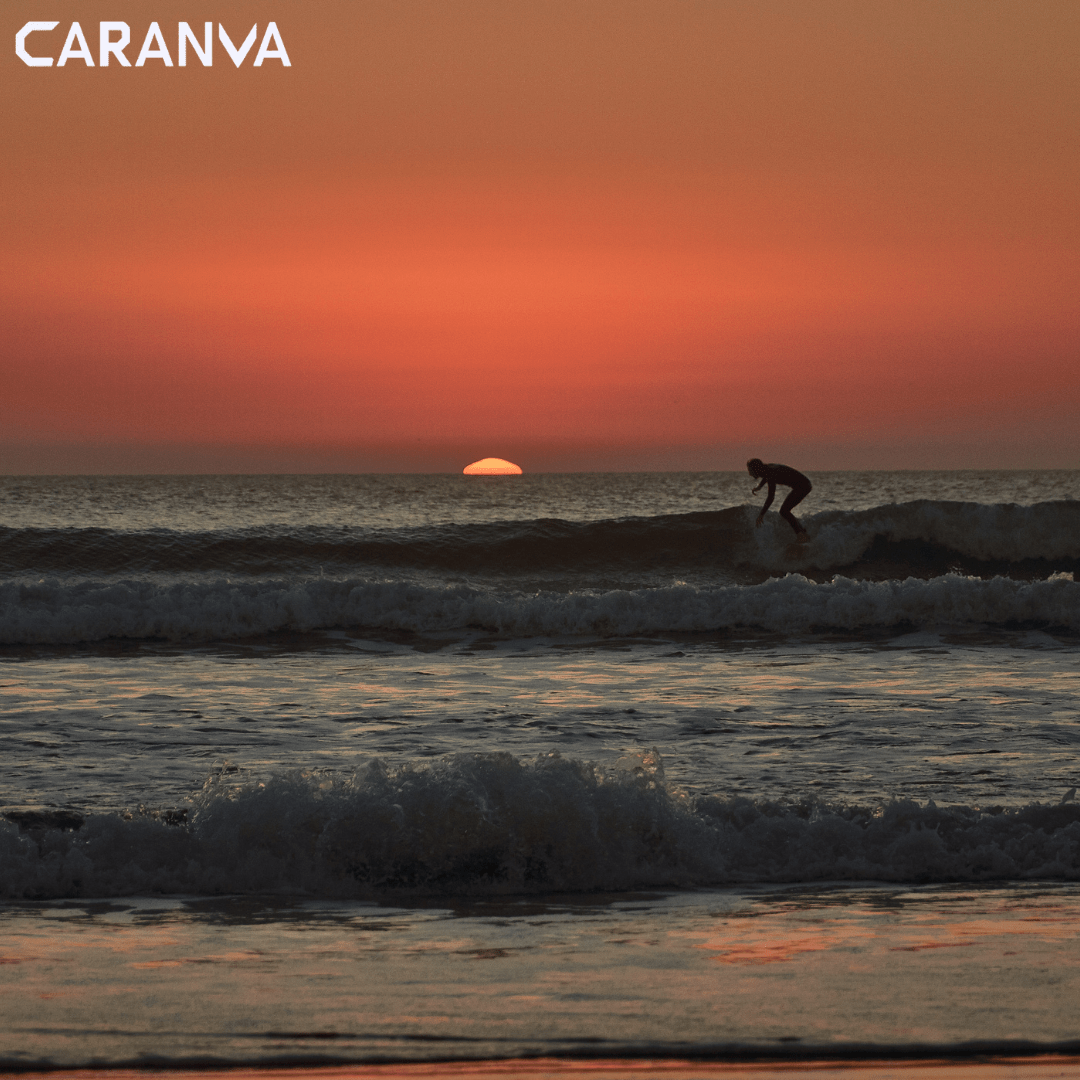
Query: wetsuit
(786, 476)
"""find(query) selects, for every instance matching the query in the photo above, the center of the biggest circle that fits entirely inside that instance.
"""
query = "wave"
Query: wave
(544, 544)
(922, 538)
(60, 611)
(490, 823)
(999, 534)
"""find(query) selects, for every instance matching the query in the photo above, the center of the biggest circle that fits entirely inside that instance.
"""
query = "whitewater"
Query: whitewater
(919, 563)
(475, 715)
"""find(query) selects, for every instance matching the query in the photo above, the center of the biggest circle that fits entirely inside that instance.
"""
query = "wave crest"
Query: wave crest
(489, 823)
(932, 535)
(57, 611)
(1000, 533)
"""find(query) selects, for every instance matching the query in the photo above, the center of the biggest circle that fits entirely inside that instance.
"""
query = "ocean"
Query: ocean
(403, 769)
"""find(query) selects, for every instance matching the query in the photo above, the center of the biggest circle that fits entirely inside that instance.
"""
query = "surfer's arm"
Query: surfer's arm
(768, 501)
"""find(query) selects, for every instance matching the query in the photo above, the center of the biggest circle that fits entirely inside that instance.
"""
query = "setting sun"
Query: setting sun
(492, 466)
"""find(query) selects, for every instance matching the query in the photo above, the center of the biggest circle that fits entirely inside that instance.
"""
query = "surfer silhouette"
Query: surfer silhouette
(786, 476)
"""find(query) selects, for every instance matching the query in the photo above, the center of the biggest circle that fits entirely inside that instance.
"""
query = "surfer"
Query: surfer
(786, 476)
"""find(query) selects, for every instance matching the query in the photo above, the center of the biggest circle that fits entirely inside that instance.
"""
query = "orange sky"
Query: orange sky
(579, 235)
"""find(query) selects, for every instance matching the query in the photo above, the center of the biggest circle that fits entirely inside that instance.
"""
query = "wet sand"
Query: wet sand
(1043, 1067)
(786, 978)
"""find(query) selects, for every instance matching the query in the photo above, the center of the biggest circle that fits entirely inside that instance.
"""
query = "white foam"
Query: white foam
(61, 611)
(1007, 532)
(489, 823)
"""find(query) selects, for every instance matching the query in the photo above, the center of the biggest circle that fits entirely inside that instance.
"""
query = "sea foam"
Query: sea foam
(490, 823)
(60, 610)
(1004, 533)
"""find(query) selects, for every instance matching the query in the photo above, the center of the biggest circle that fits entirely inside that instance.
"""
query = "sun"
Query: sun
(492, 466)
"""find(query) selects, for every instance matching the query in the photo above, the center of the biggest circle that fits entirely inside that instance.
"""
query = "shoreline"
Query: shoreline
(973, 1066)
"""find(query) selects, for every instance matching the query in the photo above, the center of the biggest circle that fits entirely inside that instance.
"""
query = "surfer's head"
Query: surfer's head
(755, 467)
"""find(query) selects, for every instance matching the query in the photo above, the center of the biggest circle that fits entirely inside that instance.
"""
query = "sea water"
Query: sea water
(402, 767)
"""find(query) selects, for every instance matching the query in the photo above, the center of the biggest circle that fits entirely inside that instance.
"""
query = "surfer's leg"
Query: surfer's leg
(795, 497)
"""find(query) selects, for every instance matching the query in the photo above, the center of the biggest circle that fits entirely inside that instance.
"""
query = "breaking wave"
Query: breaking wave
(489, 823)
(920, 538)
(925, 563)
(60, 611)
